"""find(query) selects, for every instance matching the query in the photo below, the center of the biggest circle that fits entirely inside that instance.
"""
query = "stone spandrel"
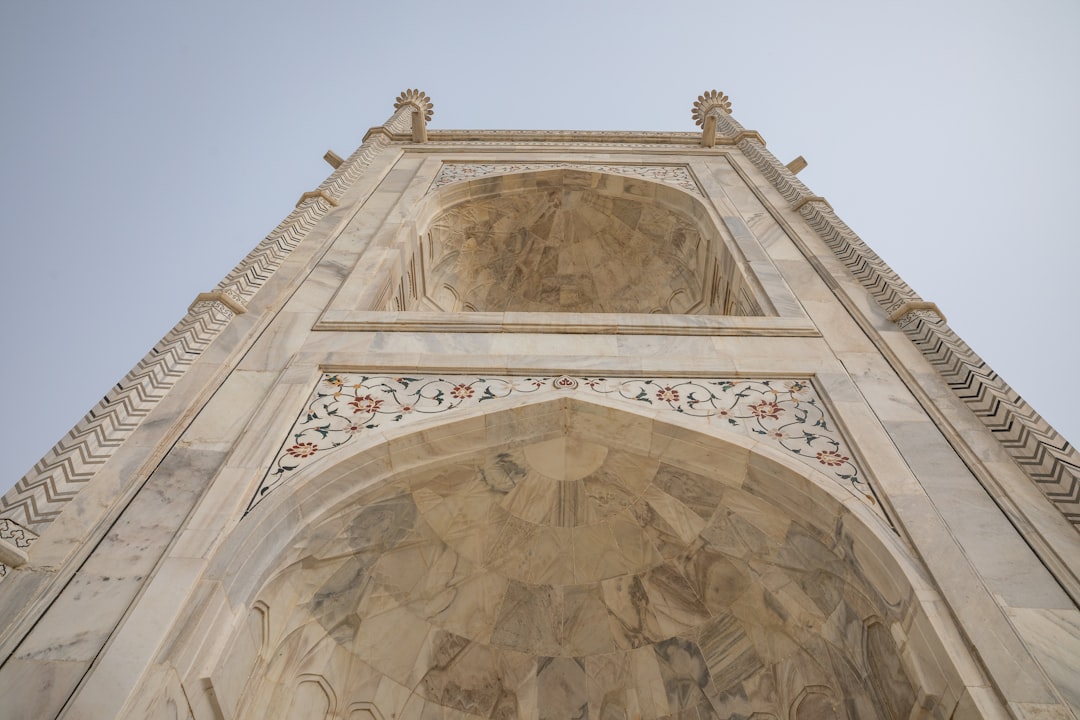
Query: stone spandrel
(785, 414)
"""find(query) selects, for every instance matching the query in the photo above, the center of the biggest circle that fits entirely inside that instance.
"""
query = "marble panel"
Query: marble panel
(561, 684)
(1054, 637)
(685, 676)
(529, 619)
(606, 687)
(34, 688)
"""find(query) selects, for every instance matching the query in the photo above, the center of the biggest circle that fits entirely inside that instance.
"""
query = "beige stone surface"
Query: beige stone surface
(234, 534)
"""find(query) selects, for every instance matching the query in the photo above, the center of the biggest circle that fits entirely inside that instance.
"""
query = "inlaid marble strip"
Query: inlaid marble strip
(1038, 449)
(784, 413)
(41, 494)
(1046, 457)
(39, 497)
(676, 175)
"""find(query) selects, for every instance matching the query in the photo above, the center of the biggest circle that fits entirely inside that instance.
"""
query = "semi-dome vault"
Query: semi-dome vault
(591, 563)
(551, 424)
(577, 241)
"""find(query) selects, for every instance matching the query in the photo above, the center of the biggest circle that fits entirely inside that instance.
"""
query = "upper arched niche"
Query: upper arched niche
(572, 241)
(565, 559)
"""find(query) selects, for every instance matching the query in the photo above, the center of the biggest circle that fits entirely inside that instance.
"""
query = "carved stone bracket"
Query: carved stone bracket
(319, 194)
(15, 541)
(225, 298)
(909, 311)
(809, 199)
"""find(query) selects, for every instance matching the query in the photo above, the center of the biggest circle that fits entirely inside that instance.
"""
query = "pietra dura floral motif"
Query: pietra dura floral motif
(784, 413)
(676, 175)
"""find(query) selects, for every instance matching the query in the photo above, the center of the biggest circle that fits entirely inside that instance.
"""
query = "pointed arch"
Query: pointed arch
(613, 244)
(752, 580)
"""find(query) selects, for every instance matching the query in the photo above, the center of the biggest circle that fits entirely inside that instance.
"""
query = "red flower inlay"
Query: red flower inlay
(406, 408)
(302, 450)
(461, 392)
(766, 409)
(831, 458)
(667, 395)
(365, 404)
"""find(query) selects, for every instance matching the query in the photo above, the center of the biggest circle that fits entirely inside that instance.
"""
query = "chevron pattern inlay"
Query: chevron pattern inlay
(42, 493)
(39, 497)
(1047, 458)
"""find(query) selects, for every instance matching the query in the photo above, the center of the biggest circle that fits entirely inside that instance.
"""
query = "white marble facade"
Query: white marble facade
(514, 424)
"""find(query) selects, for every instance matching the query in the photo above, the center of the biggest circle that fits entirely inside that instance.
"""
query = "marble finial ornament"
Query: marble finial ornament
(418, 99)
(706, 102)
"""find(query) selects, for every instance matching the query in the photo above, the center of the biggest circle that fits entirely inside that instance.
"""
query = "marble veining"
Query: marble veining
(571, 577)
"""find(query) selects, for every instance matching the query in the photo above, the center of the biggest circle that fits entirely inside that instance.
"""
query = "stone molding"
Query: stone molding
(675, 175)
(39, 497)
(786, 414)
(1046, 458)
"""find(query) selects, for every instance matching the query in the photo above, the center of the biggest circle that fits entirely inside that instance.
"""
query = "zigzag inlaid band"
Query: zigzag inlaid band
(39, 497)
(1046, 457)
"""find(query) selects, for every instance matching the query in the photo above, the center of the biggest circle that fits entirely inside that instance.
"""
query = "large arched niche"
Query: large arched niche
(565, 558)
(570, 241)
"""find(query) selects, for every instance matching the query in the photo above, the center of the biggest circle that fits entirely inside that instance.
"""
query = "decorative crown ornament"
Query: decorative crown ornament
(706, 102)
(418, 99)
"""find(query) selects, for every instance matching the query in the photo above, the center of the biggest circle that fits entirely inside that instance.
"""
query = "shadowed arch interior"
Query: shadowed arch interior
(572, 241)
(557, 566)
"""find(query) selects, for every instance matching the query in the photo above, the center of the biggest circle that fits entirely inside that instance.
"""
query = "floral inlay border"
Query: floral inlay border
(677, 175)
(786, 413)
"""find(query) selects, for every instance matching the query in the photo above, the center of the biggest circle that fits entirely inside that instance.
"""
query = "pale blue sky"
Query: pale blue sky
(146, 149)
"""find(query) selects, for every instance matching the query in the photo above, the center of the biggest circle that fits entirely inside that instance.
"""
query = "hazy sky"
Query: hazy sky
(145, 150)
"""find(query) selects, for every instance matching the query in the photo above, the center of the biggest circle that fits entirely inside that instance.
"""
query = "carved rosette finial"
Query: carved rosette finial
(705, 104)
(419, 100)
